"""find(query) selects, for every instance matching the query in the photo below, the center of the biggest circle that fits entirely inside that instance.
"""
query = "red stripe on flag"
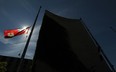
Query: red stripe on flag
(15, 32)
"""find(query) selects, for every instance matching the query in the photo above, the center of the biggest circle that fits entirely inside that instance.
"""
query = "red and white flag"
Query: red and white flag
(15, 32)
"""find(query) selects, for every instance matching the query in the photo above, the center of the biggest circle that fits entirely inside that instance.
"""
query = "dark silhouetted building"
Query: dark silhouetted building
(66, 45)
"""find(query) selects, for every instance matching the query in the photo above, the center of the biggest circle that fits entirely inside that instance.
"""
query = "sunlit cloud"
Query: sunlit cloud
(15, 46)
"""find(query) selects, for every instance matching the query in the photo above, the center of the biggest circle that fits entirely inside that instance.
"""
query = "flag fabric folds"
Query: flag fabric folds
(15, 32)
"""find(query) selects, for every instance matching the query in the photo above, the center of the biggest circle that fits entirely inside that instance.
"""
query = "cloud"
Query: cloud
(2, 39)
(13, 46)
(12, 50)
(32, 45)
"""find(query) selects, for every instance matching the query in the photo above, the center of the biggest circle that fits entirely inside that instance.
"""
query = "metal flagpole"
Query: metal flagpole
(27, 43)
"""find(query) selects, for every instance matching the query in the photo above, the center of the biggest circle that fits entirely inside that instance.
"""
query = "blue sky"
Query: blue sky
(98, 15)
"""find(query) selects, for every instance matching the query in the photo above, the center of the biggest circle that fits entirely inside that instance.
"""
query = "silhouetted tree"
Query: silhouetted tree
(3, 66)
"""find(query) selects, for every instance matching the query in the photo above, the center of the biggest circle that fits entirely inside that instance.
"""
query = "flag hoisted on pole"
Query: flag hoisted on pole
(27, 43)
(15, 32)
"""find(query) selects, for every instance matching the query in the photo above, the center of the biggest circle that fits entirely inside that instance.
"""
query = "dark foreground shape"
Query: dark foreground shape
(10, 64)
(65, 45)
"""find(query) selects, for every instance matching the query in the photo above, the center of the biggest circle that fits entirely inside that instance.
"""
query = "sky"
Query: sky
(98, 16)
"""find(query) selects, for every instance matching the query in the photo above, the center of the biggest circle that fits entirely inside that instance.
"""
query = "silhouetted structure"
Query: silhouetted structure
(65, 45)
(10, 64)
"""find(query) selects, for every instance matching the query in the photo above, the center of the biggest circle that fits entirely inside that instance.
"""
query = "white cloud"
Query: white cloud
(14, 46)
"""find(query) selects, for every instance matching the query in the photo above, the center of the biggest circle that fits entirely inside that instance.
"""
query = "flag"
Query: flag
(15, 32)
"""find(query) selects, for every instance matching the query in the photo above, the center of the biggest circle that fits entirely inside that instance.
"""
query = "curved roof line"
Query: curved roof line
(50, 14)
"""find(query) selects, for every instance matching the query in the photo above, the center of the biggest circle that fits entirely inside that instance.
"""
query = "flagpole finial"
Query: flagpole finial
(40, 6)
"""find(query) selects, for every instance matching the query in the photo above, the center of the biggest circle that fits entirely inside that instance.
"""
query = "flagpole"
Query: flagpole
(27, 43)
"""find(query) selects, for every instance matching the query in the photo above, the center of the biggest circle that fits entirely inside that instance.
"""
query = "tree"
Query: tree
(3, 66)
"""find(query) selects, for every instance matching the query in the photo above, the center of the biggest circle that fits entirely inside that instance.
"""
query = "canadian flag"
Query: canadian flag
(15, 32)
